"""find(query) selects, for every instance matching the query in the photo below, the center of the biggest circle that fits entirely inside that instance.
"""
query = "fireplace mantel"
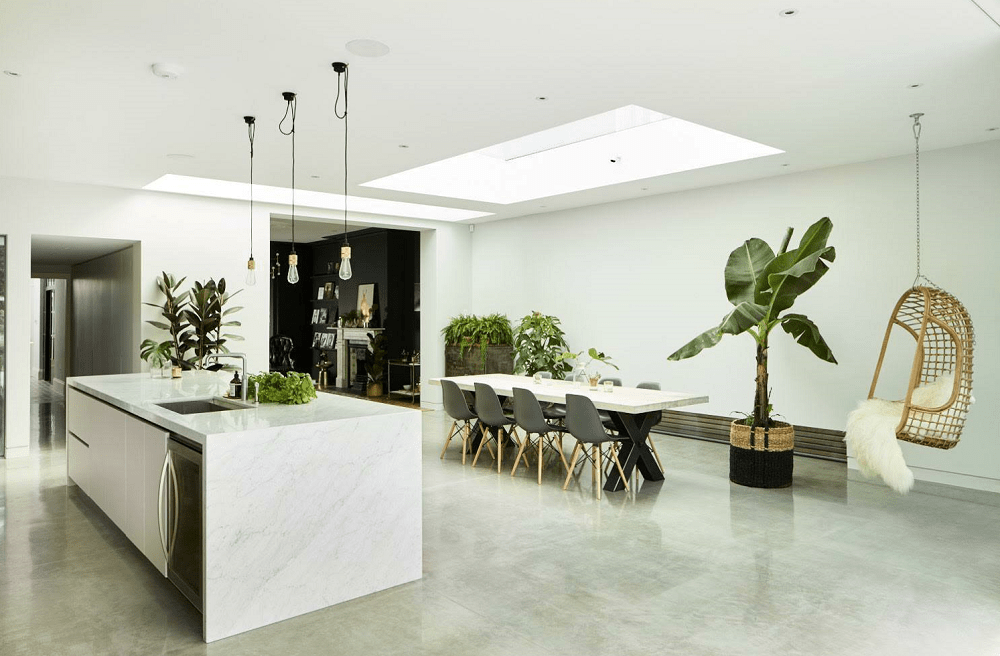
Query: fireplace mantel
(345, 335)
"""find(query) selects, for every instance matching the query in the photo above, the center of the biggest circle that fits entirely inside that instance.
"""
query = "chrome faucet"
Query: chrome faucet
(243, 376)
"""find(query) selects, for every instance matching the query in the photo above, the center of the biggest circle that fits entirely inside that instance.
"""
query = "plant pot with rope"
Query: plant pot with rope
(762, 286)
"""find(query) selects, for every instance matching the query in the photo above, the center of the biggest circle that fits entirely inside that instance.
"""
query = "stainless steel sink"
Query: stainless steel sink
(200, 406)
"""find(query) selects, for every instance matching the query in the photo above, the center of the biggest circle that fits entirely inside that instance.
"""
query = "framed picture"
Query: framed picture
(366, 297)
(323, 315)
(317, 339)
(315, 318)
(320, 294)
(327, 291)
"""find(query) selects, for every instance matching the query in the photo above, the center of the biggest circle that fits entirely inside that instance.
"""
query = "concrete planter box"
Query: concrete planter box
(499, 360)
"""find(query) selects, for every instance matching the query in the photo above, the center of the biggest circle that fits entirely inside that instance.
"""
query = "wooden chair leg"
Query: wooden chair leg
(561, 456)
(483, 440)
(540, 438)
(652, 445)
(500, 436)
(465, 440)
(598, 470)
(572, 461)
(451, 434)
(618, 464)
(520, 452)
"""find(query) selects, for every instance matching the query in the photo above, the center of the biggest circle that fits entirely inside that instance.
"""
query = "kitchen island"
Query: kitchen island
(301, 507)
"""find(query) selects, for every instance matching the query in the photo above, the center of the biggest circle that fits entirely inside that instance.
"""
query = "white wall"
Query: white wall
(36, 328)
(445, 290)
(639, 278)
(196, 237)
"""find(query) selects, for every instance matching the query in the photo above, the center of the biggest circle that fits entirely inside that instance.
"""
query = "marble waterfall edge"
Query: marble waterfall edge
(302, 517)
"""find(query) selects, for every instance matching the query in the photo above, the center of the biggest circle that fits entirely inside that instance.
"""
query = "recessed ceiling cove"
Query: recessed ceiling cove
(622, 145)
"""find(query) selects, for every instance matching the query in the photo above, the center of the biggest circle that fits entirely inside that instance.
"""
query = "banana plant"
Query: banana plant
(762, 286)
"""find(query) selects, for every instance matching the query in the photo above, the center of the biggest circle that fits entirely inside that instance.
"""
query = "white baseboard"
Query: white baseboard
(937, 476)
(430, 405)
(12, 452)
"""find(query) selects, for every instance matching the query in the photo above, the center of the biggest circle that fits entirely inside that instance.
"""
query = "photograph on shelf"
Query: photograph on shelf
(323, 315)
(327, 291)
(321, 294)
(315, 318)
(317, 339)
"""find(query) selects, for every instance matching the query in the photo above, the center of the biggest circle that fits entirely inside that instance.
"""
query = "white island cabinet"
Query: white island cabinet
(300, 507)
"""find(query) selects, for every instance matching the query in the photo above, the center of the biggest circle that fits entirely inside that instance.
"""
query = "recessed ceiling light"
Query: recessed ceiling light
(192, 186)
(992, 129)
(541, 97)
(367, 48)
(314, 177)
(785, 13)
(12, 73)
(784, 164)
(179, 156)
(403, 146)
(167, 71)
(575, 156)
(914, 86)
(644, 189)
(543, 206)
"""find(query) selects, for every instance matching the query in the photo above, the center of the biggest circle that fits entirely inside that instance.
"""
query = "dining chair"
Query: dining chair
(530, 419)
(492, 420)
(554, 411)
(458, 409)
(584, 424)
(651, 385)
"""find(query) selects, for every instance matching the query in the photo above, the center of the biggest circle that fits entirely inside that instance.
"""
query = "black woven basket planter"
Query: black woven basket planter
(761, 458)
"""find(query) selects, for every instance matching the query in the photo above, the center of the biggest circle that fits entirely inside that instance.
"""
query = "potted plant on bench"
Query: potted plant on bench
(478, 345)
(763, 286)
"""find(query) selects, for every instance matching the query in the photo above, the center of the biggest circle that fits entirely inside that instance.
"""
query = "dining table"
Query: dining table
(634, 412)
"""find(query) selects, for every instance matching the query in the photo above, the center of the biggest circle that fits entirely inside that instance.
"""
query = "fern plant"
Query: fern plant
(467, 330)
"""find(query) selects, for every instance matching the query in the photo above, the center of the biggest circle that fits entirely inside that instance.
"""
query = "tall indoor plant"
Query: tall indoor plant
(762, 286)
(538, 343)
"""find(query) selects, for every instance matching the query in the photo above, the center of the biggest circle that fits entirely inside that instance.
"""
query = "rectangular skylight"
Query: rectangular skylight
(192, 186)
(625, 144)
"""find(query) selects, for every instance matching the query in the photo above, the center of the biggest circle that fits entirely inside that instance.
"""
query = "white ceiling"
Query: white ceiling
(49, 250)
(829, 86)
(308, 231)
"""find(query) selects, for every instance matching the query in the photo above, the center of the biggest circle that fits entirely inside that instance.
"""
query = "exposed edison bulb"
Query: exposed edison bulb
(293, 268)
(251, 272)
(345, 263)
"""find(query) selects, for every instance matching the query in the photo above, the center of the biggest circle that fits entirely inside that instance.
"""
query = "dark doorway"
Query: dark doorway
(48, 338)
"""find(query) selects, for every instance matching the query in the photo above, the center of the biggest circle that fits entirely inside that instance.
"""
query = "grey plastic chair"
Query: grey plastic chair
(530, 419)
(585, 425)
(458, 409)
(493, 421)
(651, 385)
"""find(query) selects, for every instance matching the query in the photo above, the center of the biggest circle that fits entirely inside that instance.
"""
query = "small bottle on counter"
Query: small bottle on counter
(236, 386)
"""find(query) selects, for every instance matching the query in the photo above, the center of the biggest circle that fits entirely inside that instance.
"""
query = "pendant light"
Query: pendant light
(293, 258)
(345, 250)
(251, 265)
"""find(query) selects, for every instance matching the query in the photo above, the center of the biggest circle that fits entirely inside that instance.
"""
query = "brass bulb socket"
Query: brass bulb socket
(345, 252)
(293, 259)
(251, 264)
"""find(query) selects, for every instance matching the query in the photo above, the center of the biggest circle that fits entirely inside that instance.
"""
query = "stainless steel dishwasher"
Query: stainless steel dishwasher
(180, 520)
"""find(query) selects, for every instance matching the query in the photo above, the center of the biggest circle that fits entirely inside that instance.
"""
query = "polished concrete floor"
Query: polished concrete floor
(692, 565)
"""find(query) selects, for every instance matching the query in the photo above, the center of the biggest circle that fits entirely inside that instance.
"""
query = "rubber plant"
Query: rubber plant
(763, 286)
(538, 344)
(172, 310)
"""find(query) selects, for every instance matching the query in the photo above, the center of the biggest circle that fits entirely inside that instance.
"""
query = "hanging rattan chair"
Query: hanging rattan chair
(943, 331)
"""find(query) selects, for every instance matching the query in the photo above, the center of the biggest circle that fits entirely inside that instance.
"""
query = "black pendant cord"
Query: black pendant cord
(251, 131)
(291, 107)
(337, 113)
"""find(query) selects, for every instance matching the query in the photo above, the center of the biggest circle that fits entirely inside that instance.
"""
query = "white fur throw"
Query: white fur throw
(871, 433)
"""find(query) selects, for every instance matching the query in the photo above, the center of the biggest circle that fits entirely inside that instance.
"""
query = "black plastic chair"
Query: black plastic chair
(492, 420)
(458, 409)
(585, 425)
(659, 417)
(530, 419)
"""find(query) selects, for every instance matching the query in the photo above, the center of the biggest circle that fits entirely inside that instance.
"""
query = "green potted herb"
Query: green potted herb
(762, 286)
(538, 343)
(588, 363)
(293, 388)
(478, 345)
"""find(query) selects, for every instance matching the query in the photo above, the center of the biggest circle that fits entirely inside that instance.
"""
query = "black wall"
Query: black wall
(388, 258)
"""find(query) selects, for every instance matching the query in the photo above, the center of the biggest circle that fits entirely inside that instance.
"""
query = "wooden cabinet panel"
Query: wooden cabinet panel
(78, 462)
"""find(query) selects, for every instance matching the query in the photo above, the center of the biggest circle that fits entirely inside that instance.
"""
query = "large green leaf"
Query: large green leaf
(743, 317)
(744, 268)
(795, 271)
(807, 334)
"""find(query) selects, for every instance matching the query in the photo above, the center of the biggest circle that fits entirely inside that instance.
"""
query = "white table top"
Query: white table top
(629, 400)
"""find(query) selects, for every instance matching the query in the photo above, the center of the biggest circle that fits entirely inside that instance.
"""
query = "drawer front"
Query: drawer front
(78, 462)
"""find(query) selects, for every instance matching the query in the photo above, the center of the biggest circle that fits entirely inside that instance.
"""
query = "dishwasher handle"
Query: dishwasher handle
(160, 505)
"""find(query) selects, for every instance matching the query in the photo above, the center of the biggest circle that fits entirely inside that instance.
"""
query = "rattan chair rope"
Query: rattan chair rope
(944, 338)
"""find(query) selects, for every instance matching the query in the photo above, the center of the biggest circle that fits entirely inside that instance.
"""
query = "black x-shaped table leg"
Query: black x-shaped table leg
(634, 452)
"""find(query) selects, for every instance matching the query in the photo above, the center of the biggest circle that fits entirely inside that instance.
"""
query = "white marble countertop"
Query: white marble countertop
(138, 394)
(620, 399)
